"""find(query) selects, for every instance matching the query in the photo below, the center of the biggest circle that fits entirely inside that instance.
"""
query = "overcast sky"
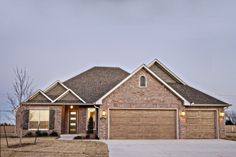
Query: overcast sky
(55, 40)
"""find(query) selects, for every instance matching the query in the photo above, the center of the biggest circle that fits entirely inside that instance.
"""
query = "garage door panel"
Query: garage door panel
(191, 114)
(206, 114)
(193, 121)
(209, 121)
(200, 124)
(142, 124)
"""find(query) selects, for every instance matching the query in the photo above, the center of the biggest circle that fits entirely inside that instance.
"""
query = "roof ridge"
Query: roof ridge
(97, 66)
(92, 69)
(77, 75)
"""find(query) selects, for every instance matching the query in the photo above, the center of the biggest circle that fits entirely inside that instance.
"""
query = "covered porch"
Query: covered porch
(80, 120)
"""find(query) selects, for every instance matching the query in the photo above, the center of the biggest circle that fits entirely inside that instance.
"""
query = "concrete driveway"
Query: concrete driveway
(171, 148)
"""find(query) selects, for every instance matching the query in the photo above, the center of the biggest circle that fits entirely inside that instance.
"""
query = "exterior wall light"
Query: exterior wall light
(104, 113)
(222, 114)
(183, 113)
(71, 106)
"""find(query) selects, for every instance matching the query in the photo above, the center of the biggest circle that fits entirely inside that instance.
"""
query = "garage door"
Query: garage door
(142, 124)
(200, 124)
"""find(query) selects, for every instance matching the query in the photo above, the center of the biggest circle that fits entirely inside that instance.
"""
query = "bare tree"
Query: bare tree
(22, 88)
(230, 115)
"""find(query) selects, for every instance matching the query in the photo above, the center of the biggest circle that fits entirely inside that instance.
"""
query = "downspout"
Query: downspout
(98, 118)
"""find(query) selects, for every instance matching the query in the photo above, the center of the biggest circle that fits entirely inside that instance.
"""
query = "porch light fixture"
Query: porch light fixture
(222, 114)
(71, 106)
(104, 113)
(183, 113)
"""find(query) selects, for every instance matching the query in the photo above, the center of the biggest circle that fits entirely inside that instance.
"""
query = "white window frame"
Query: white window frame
(95, 126)
(39, 118)
(140, 81)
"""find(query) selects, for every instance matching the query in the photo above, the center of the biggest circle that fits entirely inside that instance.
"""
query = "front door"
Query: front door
(72, 122)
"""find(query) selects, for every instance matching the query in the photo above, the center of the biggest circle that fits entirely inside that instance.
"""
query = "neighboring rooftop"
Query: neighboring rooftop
(96, 82)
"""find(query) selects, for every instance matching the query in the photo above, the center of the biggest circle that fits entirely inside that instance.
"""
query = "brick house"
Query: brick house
(149, 103)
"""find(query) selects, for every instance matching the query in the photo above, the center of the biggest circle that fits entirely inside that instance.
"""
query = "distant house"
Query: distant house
(149, 103)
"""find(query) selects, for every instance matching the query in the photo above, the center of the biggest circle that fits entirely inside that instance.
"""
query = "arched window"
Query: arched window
(142, 81)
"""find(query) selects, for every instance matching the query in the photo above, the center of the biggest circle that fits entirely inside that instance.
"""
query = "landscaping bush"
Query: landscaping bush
(54, 133)
(78, 137)
(41, 133)
(90, 126)
(87, 136)
(29, 134)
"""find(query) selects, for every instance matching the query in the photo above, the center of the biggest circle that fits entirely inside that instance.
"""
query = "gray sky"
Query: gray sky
(55, 40)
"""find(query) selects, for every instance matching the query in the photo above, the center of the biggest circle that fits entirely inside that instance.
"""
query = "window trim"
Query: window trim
(95, 127)
(34, 129)
(140, 81)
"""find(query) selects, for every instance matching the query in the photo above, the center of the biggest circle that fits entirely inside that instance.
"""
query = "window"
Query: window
(91, 117)
(37, 117)
(142, 81)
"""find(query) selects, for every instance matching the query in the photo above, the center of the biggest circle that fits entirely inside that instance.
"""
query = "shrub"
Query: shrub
(29, 134)
(54, 133)
(77, 137)
(41, 133)
(90, 126)
(87, 136)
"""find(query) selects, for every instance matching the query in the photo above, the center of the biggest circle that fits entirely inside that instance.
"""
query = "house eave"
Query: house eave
(59, 104)
(210, 105)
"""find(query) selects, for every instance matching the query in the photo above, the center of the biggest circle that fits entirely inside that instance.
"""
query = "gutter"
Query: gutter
(210, 105)
(98, 118)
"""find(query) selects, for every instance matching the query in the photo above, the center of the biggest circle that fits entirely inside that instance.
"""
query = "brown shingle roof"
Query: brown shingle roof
(193, 95)
(95, 82)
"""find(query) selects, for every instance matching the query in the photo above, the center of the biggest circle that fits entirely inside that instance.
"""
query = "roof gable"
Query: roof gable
(39, 96)
(192, 95)
(69, 97)
(55, 93)
(95, 82)
(153, 74)
(55, 90)
(164, 73)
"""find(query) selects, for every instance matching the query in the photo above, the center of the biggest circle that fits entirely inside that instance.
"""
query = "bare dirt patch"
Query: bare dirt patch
(51, 147)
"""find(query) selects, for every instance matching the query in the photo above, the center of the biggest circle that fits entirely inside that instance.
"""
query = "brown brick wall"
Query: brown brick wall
(82, 120)
(155, 95)
(58, 117)
(61, 118)
(130, 95)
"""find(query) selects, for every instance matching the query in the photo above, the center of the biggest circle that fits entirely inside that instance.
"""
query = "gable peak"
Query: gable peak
(167, 70)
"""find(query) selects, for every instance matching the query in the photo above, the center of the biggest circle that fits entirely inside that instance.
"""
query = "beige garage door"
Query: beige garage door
(142, 124)
(200, 124)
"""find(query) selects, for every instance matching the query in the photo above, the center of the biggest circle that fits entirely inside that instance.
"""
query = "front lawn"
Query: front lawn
(51, 147)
